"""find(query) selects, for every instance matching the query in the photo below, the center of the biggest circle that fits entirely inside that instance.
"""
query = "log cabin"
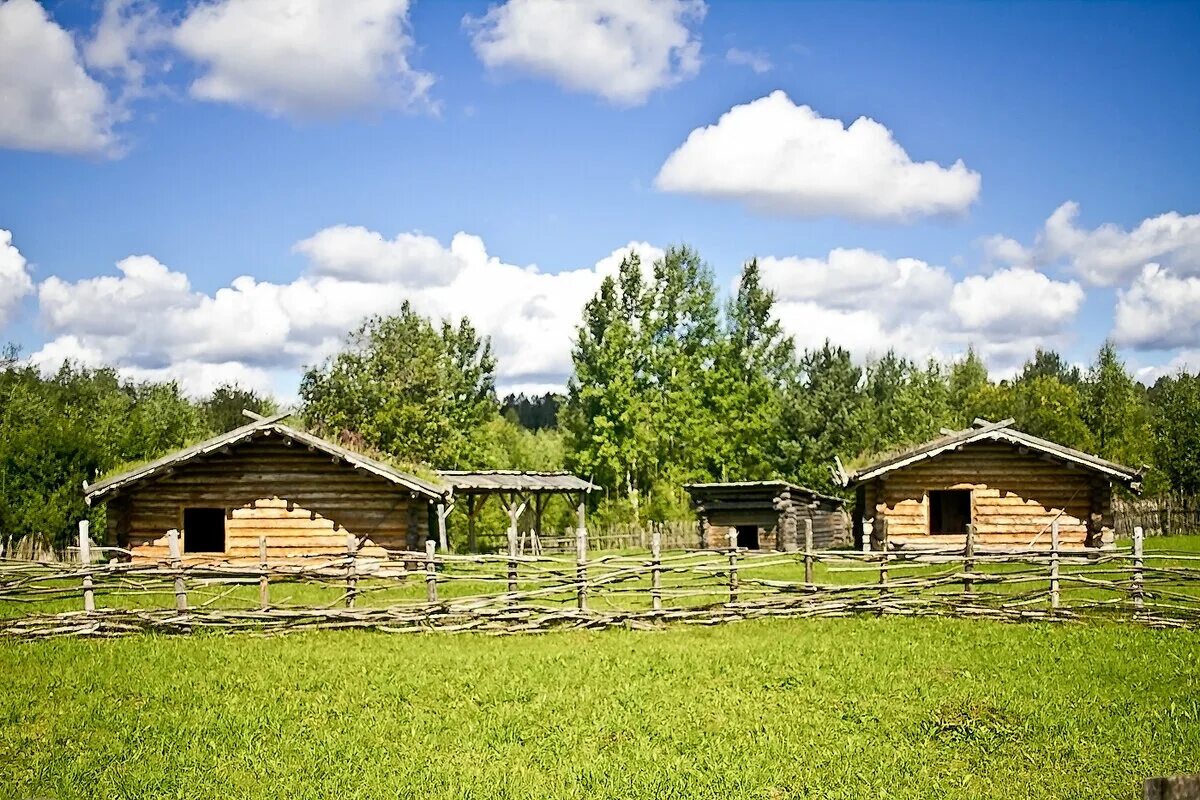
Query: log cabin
(267, 479)
(767, 515)
(1009, 486)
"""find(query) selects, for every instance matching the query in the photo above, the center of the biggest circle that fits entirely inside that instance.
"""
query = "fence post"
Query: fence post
(351, 570)
(430, 571)
(85, 558)
(1138, 590)
(808, 551)
(1054, 596)
(733, 566)
(581, 549)
(868, 530)
(883, 563)
(177, 565)
(512, 560)
(969, 561)
(264, 586)
(656, 570)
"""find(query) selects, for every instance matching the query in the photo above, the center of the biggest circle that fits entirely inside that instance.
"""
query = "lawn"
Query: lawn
(845, 708)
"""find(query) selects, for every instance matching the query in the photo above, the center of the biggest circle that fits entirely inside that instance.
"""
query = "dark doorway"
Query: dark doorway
(949, 511)
(747, 536)
(204, 530)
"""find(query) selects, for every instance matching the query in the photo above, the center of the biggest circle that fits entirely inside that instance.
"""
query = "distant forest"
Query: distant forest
(668, 385)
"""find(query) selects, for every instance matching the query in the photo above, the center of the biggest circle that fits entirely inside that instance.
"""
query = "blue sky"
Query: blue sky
(543, 131)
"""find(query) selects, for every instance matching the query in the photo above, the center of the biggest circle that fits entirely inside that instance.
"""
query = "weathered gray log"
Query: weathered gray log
(85, 558)
(1055, 600)
(969, 560)
(431, 593)
(181, 602)
(733, 565)
(351, 570)
(656, 570)
(1172, 787)
(264, 582)
(581, 572)
(808, 551)
(1138, 564)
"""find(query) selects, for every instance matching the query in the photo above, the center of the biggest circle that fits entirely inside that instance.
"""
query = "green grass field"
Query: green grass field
(850, 708)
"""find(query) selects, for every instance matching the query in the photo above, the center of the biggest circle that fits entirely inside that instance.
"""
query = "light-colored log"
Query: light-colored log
(85, 558)
(181, 602)
(431, 592)
(1055, 544)
(656, 570)
(264, 583)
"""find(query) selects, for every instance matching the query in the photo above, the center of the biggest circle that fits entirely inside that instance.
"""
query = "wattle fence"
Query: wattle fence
(514, 593)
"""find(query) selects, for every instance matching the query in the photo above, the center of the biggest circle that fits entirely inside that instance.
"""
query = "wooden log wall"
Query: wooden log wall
(301, 500)
(1015, 497)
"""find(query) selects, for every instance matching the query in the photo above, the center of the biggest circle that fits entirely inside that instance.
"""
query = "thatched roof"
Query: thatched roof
(498, 480)
(267, 426)
(984, 430)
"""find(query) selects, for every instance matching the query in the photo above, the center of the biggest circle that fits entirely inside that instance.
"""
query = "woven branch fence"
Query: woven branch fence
(513, 593)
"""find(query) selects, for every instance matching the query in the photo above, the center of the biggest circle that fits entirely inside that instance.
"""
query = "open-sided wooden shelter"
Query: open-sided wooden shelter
(266, 479)
(1011, 487)
(767, 515)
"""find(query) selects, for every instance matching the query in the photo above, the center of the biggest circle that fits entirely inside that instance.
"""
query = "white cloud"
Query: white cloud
(1015, 299)
(48, 102)
(756, 60)
(621, 50)
(1159, 310)
(151, 322)
(126, 31)
(1107, 255)
(304, 58)
(781, 158)
(869, 304)
(411, 259)
(15, 282)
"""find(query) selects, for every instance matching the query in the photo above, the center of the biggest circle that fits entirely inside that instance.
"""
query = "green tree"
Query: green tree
(223, 408)
(1114, 409)
(417, 393)
(1176, 430)
(968, 387)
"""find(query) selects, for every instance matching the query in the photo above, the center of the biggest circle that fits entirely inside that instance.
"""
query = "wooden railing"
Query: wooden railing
(410, 591)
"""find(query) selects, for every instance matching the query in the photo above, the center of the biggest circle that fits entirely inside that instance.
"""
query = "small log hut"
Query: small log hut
(266, 479)
(1009, 486)
(767, 515)
(304, 495)
(520, 494)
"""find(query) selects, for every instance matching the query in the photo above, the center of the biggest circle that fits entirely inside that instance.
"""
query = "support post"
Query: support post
(969, 560)
(656, 570)
(1055, 600)
(177, 565)
(868, 530)
(1139, 597)
(264, 586)
(351, 570)
(442, 513)
(85, 558)
(512, 559)
(733, 565)
(581, 552)
(883, 562)
(430, 571)
(808, 552)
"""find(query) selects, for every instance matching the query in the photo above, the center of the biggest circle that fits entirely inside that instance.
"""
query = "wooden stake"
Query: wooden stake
(181, 603)
(85, 557)
(581, 550)
(969, 560)
(1055, 599)
(430, 571)
(264, 586)
(883, 562)
(442, 513)
(351, 569)
(1138, 590)
(808, 551)
(512, 559)
(733, 567)
(656, 570)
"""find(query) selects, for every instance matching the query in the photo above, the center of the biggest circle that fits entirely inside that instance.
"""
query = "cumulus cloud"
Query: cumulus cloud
(48, 102)
(869, 303)
(621, 50)
(1108, 255)
(411, 259)
(303, 58)
(780, 158)
(1160, 310)
(15, 282)
(757, 61)
(119, 45)
(151, 322)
